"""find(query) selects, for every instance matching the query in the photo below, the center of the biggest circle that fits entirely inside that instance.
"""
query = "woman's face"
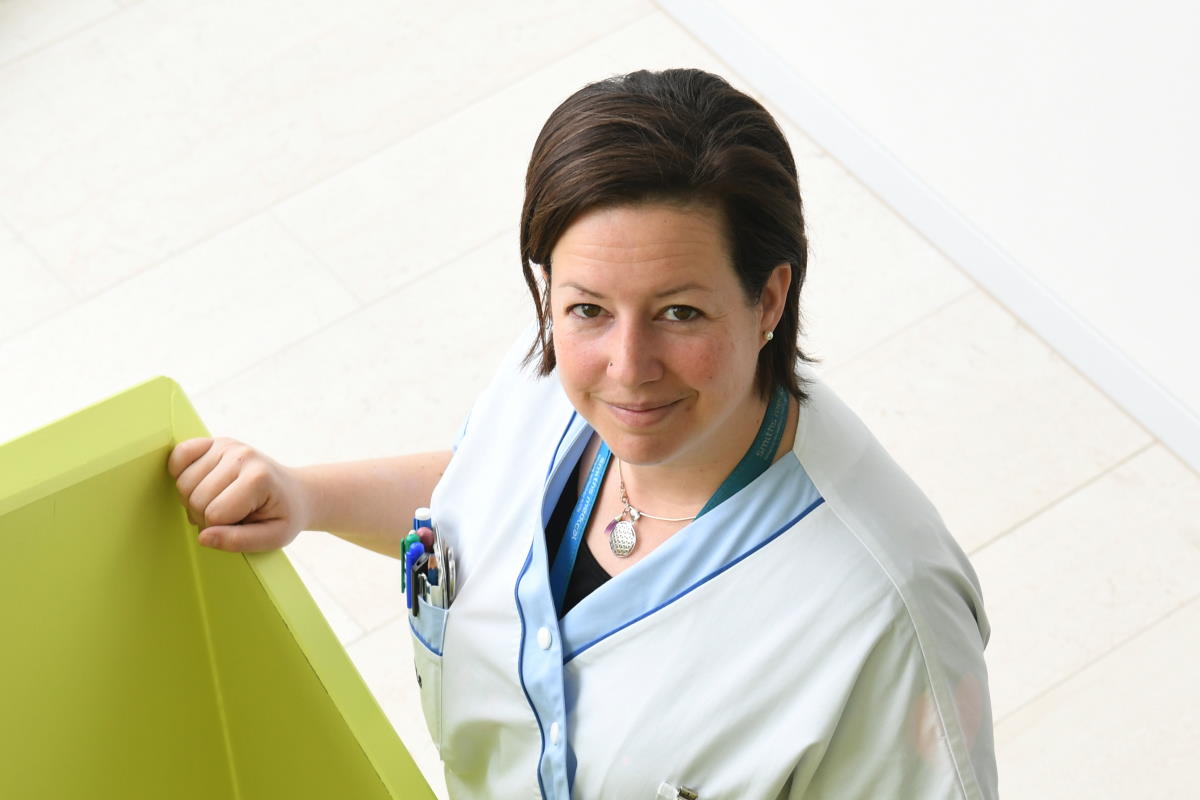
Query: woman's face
(655, 341)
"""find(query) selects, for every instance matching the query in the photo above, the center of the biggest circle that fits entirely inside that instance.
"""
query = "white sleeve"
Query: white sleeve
(917, 723)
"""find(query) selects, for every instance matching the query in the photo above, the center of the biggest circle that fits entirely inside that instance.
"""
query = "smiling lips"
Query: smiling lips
(640, 415)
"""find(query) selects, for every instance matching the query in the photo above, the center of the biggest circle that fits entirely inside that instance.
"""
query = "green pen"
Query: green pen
(406, 543)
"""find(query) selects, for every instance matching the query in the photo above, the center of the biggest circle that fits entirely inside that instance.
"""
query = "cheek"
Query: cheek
(578, 362)
(708, 361)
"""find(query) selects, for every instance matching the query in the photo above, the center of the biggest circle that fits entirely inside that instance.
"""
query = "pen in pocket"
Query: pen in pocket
(414, 554)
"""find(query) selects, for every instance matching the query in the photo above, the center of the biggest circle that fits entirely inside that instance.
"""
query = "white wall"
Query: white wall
(1047, 146)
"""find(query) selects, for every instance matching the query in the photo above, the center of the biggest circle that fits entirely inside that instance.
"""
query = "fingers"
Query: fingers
(190, 461)
(204, 469)
(252, 537)
(225, 484)
(226, 494)
(185, 453)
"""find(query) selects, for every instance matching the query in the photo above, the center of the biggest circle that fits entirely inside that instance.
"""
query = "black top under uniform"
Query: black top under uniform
(588, 575)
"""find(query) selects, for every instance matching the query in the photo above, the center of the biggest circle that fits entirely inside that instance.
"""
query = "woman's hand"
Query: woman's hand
(242, 500)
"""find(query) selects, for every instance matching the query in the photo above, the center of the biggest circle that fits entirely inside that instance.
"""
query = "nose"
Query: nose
(634, 357)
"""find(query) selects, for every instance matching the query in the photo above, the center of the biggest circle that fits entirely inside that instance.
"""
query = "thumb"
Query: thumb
(250, 537)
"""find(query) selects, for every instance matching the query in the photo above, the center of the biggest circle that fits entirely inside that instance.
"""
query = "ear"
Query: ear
(774, 295)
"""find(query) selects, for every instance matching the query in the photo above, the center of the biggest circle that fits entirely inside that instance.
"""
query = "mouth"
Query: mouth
(640, 415)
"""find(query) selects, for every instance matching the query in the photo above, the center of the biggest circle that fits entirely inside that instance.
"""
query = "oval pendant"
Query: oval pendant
(622, 538)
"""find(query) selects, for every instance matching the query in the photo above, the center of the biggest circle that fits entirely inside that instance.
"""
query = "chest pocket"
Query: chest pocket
(428, 630)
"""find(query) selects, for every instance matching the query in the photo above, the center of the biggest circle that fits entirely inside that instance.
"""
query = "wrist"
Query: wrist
(312, 513)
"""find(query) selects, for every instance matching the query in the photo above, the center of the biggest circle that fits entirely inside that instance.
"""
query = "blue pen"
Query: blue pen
(422, 518)
(410, 560)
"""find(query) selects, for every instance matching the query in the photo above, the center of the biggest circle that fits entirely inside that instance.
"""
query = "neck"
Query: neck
(683, 486)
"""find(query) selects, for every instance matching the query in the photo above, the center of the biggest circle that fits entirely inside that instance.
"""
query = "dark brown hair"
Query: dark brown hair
(680, 136)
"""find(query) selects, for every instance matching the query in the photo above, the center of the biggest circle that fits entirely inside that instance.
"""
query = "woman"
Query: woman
(684, 566)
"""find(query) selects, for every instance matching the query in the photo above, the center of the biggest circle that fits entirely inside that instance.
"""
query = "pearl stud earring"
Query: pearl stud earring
(769, 335)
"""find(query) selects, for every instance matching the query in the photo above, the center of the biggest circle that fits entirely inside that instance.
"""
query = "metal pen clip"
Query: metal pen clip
(422, 592)
(442, 574)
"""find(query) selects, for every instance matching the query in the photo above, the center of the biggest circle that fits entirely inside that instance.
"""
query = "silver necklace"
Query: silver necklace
(622, 533)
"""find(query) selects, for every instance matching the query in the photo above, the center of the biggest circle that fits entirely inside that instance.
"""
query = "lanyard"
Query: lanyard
(758, 458)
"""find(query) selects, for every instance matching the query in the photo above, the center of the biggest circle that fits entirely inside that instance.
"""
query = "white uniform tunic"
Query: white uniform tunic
(818, 635)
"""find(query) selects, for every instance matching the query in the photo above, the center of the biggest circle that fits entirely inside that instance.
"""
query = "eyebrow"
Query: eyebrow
(665, 293)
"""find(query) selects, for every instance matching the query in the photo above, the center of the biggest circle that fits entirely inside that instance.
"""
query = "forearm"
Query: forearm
(370, 503)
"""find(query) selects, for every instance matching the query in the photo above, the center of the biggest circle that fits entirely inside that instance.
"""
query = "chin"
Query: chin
(640, 450)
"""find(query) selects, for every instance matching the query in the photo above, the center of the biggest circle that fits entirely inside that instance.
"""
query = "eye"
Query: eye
(584, 310)
(682, 313)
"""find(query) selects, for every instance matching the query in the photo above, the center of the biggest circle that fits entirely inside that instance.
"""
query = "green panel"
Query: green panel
(137, 663)
(103, 668)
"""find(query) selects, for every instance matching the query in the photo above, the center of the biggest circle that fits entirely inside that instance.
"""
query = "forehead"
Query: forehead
(664, 234)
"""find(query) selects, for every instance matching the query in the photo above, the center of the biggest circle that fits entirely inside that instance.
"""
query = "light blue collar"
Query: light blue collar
(700, 551)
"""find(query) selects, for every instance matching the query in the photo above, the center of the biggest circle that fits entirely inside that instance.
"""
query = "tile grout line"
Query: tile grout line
(7, 229)
(46, 45)
(272, 205)
(905, 328)
(303, 569)
(430, 273)
(1119, 645)
(1066, 496)
(20, 239)
(467, 106)
(359, 302)
(368, 632)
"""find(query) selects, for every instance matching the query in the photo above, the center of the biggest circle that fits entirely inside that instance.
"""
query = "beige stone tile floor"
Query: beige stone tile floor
(306, 214)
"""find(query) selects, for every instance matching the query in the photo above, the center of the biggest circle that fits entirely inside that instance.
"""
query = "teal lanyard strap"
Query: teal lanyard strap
(568, 549)
(758, 458)
(760, 455)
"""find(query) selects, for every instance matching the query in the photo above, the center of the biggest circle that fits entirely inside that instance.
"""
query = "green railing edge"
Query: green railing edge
(351, 696)
(35, 470)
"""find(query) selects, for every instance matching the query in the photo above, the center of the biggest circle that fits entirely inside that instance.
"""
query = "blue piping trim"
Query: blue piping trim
(462, 431)
(521, 659)
(554, 458)
(428, 645)
(787, 526)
